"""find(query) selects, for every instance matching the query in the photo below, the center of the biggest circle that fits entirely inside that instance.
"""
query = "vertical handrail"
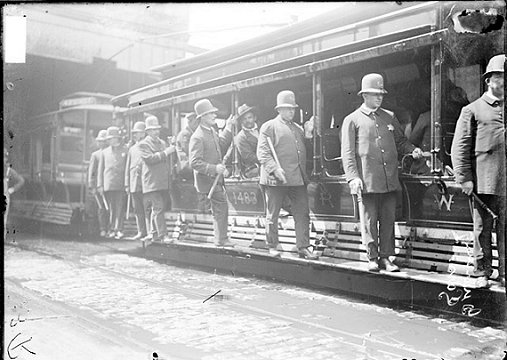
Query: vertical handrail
(317, 103)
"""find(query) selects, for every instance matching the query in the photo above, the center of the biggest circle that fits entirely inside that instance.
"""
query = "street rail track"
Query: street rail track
(391, 349)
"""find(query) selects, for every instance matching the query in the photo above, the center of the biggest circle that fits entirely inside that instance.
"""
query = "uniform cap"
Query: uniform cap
(152, 123)
(495, 64)
(102, 135)
(372, 83)
(113, 132)
(286, 98)
(203, 107)
(139, 126)
(244, 109)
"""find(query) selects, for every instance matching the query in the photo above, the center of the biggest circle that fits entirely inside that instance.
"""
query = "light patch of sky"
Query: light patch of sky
(246, 20)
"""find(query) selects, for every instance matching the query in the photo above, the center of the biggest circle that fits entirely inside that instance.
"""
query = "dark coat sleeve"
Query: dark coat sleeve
(403, 145)
(196, 154)
(263, 150)
(462, 147)
(246, 153)
(151, 157)
(92, 172)
(349, 161)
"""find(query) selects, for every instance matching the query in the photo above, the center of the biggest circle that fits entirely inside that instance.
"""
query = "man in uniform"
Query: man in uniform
(93, 169)
(155, 178)
(283, 173)
(371, 140)
(182, 145)
(206, 152)
(111, 178)
(133, 179)
(246, 141)
(479, 154)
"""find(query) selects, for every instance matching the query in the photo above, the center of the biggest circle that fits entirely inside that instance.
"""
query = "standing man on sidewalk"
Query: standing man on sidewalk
(93, 170)
(206, 151)
(155, 179)
(133, 179)
(111, 178)
(479, 155)
(287, 176)
(371, 140)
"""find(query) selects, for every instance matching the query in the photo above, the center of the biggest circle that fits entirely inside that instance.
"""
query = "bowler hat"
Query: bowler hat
(102, 135)
(495, 64)
(286, 98)
(152, 123)
(372, 83)
(203, 107)
(113, 132)
(244, 109)
(139, 126)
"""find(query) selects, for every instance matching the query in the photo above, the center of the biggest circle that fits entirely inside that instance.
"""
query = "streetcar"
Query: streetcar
(52, 153)
(431, 55)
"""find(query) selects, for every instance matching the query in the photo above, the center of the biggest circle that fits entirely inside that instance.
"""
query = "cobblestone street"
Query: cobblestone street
(93, 302)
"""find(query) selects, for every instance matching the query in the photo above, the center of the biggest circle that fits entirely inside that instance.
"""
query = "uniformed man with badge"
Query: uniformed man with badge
(479, 155)
(282, 154)
(93, 168)
(246, 141)
(111, 178)
(372, 138)
(133, 179)
(155, 179)
(206, 151)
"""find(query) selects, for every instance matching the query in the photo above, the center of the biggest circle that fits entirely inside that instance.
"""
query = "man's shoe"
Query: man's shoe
(275, 253)
(138, 237)
(482, 282)
(103, 233)
(119, 235)
(373, 265)
(110, 235)
(307, 254)
(167, 240)
(388, 265)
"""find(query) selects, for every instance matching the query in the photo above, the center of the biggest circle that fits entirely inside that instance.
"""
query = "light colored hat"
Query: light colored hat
(244, 109)
(286, 98)
(102, 135)
(203, 107)
(152, 123)
(372, 83)
(495, 64)
(113, 132)
(139, 126)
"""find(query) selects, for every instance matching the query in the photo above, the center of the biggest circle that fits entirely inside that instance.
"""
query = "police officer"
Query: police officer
(206, 152)
(246, 141)
(478, 155)
(287, 176)
(93, 169)
(371, 140)
(111, 177)
(155, 178)
(133, 179)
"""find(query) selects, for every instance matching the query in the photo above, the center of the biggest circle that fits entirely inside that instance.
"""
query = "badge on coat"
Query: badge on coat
(390, 127)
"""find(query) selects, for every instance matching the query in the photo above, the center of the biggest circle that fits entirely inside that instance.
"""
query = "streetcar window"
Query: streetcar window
(407, 78)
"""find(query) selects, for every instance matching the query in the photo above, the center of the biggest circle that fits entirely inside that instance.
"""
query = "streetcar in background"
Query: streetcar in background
(52, 153)
(431, 55)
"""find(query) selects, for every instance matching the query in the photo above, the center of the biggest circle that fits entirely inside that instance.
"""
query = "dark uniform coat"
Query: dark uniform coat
(155, 169)
(206, 149)
(111, 173)
(246, 142)
(93, 169)
(133, 169)
(479, 146)
(289, 143)
(370, 145)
